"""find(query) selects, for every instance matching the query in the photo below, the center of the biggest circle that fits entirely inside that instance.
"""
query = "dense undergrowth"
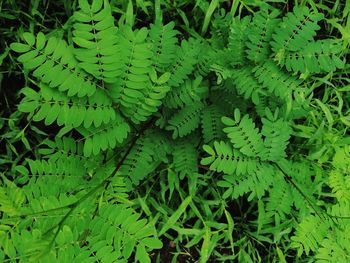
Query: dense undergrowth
(174, 131)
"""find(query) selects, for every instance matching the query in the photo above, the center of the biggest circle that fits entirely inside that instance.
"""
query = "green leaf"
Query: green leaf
(152, 243)
(20, 48)
(82, 42)
(28, 106)
(129, 246)
(164, 78)
(212, 6)
(228, 121)
(96, 5)
(129, 15)
(27, 56)
(29, 38)
(209, 150)
(230, 228)
(88, 147)
(84, 5)
(205, 249)
(142, 255)
(40, 41)
(42, 113)
(327, 113)
(176, 215)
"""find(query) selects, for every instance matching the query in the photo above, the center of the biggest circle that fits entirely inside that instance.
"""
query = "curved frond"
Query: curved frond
(280, 200)
(276, 81)
(51, 105)
(316, 57)
(276, 132)
(183, 65)
(133, 78)
(104, 137)
(297, 30)
(189, 92)
(163, 38)
(185, 158)
(335, 248)
(339, 181)
(309, 234)
(246, 84)
(185, 120)
(222, 158)
(212, 127)
(238, 39)
(260, 35)
(118, 231)
(152, 99)
(53, 63)
(94, 32)
(143, 158)
(243, 134)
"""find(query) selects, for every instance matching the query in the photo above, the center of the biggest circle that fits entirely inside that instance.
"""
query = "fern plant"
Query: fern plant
(165, 134)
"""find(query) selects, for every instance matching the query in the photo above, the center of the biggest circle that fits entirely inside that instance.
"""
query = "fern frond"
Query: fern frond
(222, 158)
(277, 133)
(211, 124)
(63, 148)
(272, 102)
(246, 84)
(243, 134)
(12, 198)
(244, 174)
(94, 32)
(51, 105)
(238, 39)
(117, 232)
(62, 166)
(226, 98)
(141, 160)
(64, 175)
(163, 38)
(341, 158)
(152, 99)
(133, 78)
(66, 146)
(335, 248)
(183, 65)
(40, 199)
(219, 33)
(280, 199)
(117, 190)
(236, 186)
(339, 181)
(260, 34)
(185, 120)
(64, 169)
(340, 211)
(104, 137)
(315, 57)
(276, 81)
(53, 63)
(189, 92)
(297, 30)
(185, 158)
(307, 180)
(208, 56)
(309, 234)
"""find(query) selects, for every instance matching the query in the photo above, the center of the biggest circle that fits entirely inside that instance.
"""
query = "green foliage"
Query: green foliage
(94, 32)
(52, 62)
(155, 131)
